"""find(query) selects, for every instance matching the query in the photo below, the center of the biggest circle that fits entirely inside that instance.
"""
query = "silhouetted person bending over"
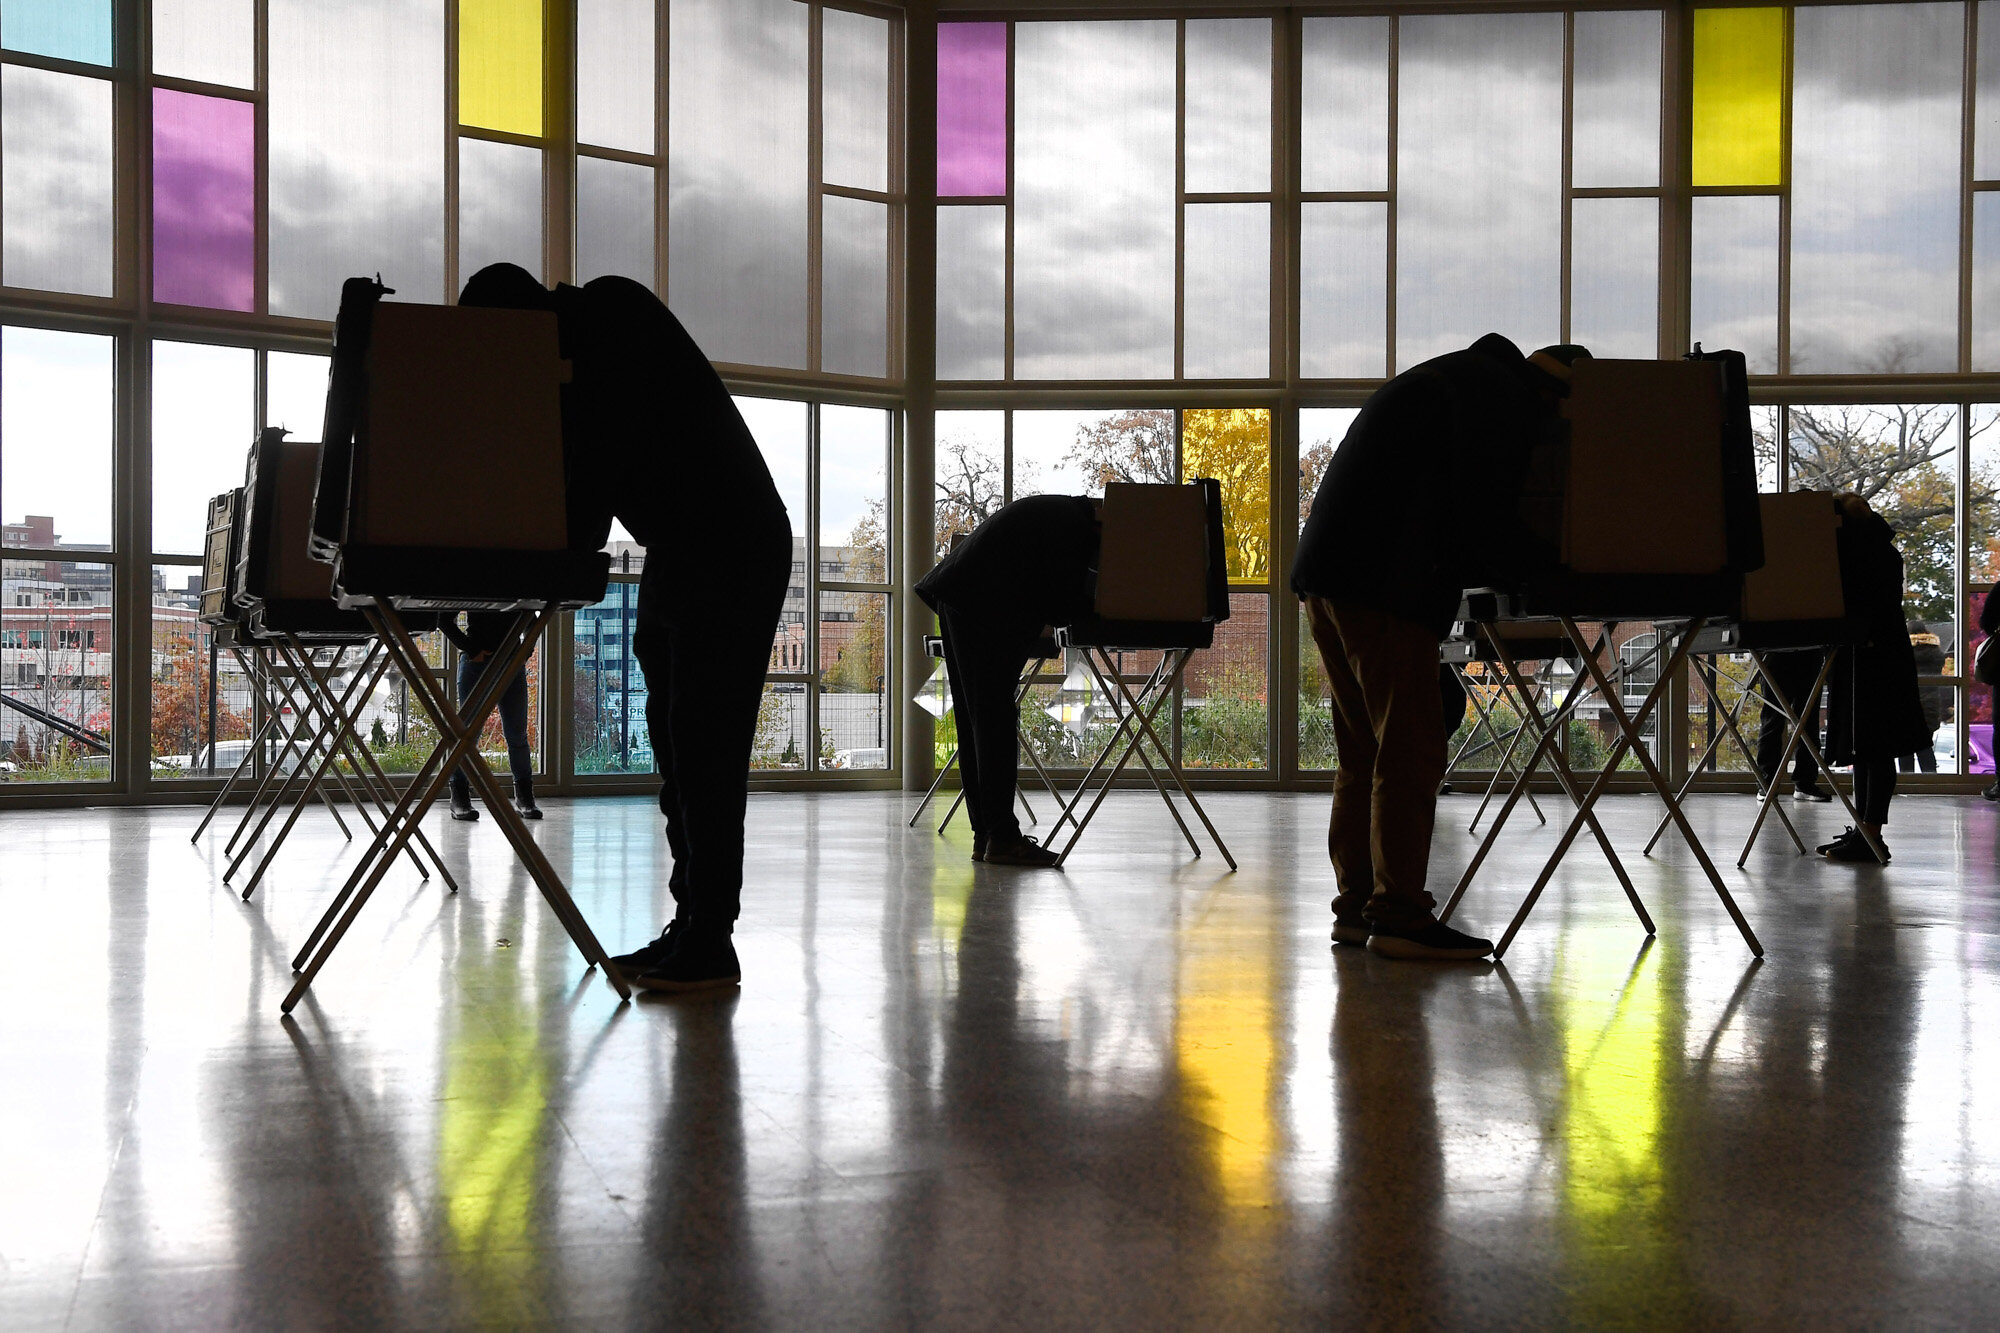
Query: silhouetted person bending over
(1022, 570)
(653, 439)
(1420, 502)
(482, 636)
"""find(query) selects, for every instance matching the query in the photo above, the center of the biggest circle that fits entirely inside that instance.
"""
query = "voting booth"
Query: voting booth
(1659, 521)
(442, 486)
(1160, 588)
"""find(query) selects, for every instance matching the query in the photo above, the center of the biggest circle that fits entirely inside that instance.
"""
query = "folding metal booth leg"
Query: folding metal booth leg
(416, 801)
(1506, 745)
(1795, 737)
(936, 782)
(1132, 731)
(1659, 780)
(298, 787)
(267, 691)
(243, 765)
(1731, 720)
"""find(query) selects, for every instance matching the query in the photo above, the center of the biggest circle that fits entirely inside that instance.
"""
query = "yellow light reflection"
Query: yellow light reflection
(490, 1139)
(1224, 1038)
(1622, 1241)
(1739, 90)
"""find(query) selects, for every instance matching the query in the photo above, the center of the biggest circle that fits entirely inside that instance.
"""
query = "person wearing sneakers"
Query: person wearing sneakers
(1875, 711)
(1420, 502)
(1795, 671)
(1024, 569)
(484, 632)
(652, 438)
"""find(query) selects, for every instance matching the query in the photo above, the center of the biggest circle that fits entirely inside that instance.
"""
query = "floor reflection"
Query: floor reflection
(1143, 1092)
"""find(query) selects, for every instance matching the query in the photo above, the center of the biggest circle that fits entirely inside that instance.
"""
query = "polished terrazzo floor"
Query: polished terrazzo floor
(1142, 1093)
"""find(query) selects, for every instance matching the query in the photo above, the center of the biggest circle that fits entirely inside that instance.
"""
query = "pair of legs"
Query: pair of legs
(704, 650)
(1923, 761)
(513, 710)
(1383, 675)
(1794, 672)
(984, 663)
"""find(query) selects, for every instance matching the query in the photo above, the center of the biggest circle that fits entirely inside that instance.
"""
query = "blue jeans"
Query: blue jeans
(513, 722)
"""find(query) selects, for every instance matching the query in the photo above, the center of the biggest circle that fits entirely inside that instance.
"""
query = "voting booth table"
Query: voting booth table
(939, 700)
(1162, 586)
(441, 488)
(1658, 522)
(270, 606)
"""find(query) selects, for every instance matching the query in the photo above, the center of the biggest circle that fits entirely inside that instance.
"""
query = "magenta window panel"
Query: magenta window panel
(972, 109)
(204, 201)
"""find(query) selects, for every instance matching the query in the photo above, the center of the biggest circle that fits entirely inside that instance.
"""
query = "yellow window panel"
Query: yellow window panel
(1739, 90)
(1233, 445)
(500, 65)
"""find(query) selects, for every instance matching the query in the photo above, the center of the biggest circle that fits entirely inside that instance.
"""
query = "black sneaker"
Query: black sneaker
(1847, 835)
(1810, 791)
(651, 955)
(1856, 851)
(524, 798)
(1433, 941)
(1992, 793)
(1023, 851)
(1350, 932)
(694, 965)
(461, 807)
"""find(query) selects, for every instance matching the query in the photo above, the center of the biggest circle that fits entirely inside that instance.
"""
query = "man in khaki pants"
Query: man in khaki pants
(1420, 501)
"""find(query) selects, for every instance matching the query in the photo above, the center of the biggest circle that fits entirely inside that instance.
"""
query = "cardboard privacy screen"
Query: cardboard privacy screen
(1645, 492)
(1800, 579)
(1153, 560)
(463, 432)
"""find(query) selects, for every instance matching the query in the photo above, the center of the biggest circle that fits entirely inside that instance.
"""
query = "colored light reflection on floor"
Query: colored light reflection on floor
(1224, 1040)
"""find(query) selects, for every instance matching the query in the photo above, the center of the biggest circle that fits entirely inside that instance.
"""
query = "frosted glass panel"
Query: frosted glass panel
(1343, 290)
(855, 108)
(1479, 220)
(972, 109)
(1227, 308)
(212, 41)
(204, 201)
(1614, 284)
(357, 150)
(1344, 104)
(1094, 200)
(1739, 88)
(614, 73)
(736, 197)
(499, 206)
(1875, 181)
(854, 306)
(204, 417)
(65, 29)
(1733, 295)
(1228, 105)
(1986, 102)
(56, 403)
(56, 184)
(500, 65)
(1616, 77)
(295, 392)
(971, 292)
(614, 223)
(1986, 281)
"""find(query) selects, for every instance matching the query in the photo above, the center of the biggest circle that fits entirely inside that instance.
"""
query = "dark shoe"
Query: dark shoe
(1848, 834)
(461, 806)
(1022, 851)
(1810, 791)
(1433, 941)
(696, 964)
(1350, 932)
(1856, 851)
(1992, 793)
(524, 798)
(979, 846)
(649, 956)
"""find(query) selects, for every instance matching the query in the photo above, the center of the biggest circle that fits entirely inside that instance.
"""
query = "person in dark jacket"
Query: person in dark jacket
(1421, 501)
(1875, 715)
(1989, 625)
(1024, 569)
(482, 636)
(1929, 652)
(653, 439)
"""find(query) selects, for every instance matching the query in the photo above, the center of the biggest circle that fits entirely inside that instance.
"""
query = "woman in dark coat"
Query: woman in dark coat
(1875, 710)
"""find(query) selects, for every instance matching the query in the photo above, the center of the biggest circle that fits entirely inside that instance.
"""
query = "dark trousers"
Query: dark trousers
(513, 711)
(1794, 672)
(1924, 760)
(1383, 675)
(984, 663)
(704, 650)
(1874, 784)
